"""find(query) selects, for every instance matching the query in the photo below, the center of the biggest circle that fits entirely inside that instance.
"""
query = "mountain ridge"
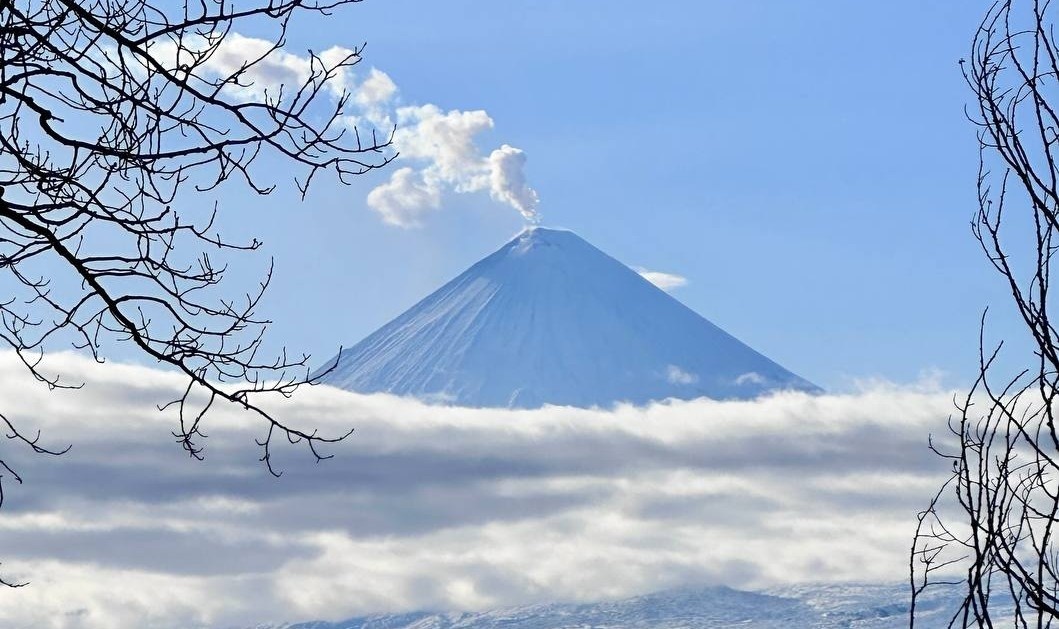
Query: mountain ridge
(831, 606)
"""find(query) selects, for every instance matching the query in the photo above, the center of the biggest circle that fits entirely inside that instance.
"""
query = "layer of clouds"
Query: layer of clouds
(666, 281)
(445, 508)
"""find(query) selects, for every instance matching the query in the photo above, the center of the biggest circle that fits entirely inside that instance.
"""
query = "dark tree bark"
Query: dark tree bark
(118, 121)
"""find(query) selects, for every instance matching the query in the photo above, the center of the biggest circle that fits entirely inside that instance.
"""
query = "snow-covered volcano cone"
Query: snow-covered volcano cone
(550, 319)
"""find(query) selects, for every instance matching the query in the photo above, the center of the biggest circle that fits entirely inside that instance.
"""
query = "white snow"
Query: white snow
(849, 606)
(550, 319)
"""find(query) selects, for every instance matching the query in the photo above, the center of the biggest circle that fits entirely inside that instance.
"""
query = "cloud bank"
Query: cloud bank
(445, 508)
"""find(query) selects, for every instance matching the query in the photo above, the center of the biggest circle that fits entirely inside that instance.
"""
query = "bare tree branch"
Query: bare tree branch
(992, 527)
(117, 119)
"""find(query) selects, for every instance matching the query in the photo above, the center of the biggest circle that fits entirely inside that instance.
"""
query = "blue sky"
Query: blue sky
(806, 166)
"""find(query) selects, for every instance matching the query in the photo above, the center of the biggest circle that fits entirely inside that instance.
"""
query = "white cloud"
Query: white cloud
(676, 375)
(375, 90)
(278, 68)
(272, 69)
(445, 141)
(403, 199)
(442, 507)
(750, 377)
(443, 146)
(440, 148)
(666, 281)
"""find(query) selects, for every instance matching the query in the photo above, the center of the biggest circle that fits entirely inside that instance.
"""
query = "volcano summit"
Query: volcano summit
(550, 319)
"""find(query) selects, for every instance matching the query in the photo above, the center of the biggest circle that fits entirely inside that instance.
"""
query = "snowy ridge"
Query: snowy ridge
(801, 607)
(550, 319)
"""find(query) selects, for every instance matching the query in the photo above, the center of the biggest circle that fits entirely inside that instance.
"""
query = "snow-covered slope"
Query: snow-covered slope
(550, 319)
(804, 607)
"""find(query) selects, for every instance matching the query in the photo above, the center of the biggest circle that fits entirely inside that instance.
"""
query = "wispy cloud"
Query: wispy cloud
(441, 507)
(676, 375)
(666, 281)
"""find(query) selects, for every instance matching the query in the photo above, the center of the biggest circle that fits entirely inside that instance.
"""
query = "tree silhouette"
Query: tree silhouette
(991, 529)
(119, 119)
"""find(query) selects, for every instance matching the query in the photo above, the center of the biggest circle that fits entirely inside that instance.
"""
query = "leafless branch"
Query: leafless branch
(118, 119)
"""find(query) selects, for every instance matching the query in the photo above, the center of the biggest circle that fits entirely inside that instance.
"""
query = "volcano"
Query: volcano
(550, 319)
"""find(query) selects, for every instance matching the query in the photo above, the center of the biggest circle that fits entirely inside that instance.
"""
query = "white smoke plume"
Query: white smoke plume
(507, 181)
(443, 146)
(440, 149)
